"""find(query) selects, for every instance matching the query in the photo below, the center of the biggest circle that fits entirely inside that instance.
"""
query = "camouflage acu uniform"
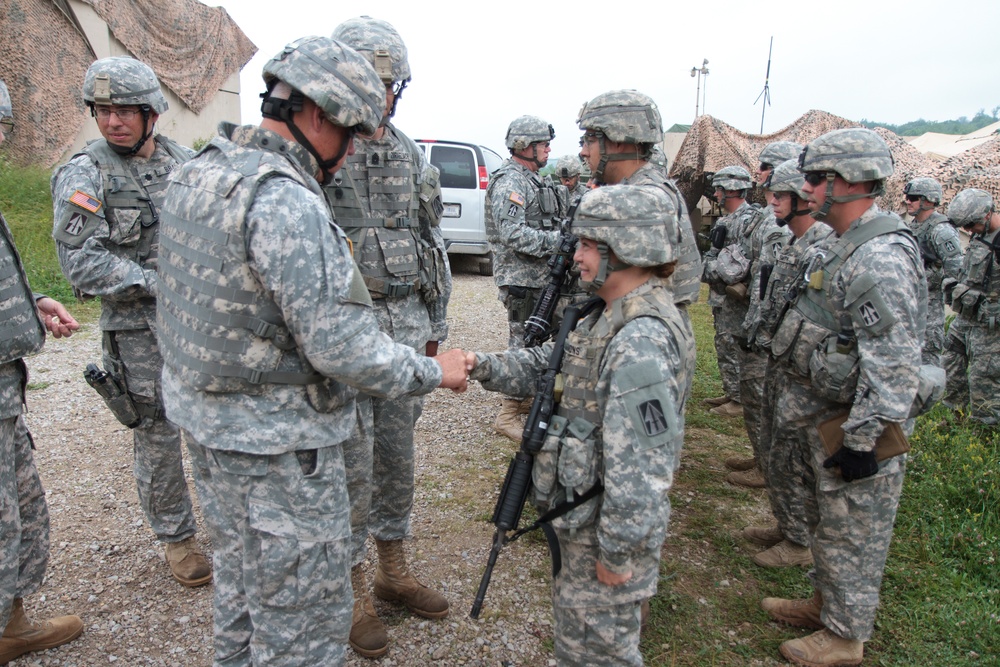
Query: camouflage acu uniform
(728, 310)
(972, 348)
(24, 514)
(873, 305)
(685, 283)
(783, 464)
(521, 207)
(263, 426)
(620, 363)
(106, 231)
(941, 250)
(384, 200)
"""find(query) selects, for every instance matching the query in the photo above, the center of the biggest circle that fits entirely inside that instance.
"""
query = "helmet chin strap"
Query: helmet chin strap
(607, 266)
(395, 101)
(534, 156)
(829, 200)
(613, 157)
(794, 213)
(284, 110)
(125, 151)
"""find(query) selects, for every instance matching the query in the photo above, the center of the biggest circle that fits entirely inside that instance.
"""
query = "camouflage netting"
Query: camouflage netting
(711, 144)
(44, 54)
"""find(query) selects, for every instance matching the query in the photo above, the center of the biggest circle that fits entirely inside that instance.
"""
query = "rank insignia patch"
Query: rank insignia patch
(85, 201)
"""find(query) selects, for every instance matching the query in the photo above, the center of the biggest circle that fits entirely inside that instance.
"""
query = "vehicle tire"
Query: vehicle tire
(486, 265)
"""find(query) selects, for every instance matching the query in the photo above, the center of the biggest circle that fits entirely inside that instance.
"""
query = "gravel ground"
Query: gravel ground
(107, 567)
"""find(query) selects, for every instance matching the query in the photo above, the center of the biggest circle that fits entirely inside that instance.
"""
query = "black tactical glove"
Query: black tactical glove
(853, 464)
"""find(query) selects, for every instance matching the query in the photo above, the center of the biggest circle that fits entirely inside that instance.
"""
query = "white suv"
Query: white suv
(465, 173)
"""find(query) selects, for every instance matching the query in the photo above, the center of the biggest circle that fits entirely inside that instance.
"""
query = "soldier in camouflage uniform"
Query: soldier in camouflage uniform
(849, 343)
(726, 270)
(24, 514)
(267, 332)
(972, 349)
(620, 422)
(781, 462)
(568, 173)
(387, 200)
(522, 210)
(941, 250)
(107, 202)
(622, 133)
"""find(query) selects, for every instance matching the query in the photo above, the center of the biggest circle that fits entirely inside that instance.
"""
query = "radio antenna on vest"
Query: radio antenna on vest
(766, 93)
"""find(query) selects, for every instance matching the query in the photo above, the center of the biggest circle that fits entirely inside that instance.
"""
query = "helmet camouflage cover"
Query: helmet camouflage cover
(857, 154)
(568, 166)
(123, 81)
(623, 116)
(379, 43)
(733, 177)
(777, 152)
(526, 130)
(335, 77)
(786, 177)
(6, 110)
(971, 206)
(637, 223)
(928, 188)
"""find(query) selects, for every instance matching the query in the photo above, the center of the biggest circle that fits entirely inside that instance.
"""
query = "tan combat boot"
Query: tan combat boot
(824, 649)
(23, 635)
(393, 582)
(507, 422)
(187, 564)
(730, 409)
(716, 401)
(740, 463)
(525, 406)
(766, 536)
(368, 635)
(797, 613)
(752, 478)
(784, 554)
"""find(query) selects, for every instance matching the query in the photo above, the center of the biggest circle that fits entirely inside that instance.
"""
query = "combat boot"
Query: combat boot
(797, 613)
(525, 406)
(507, 422)
(740, 463)
(187, 564)
(730, 409)
(784, 554)
(824, 649)
(766, 536)
(752, 478)
(394, 583)
(716, 401)
(368, 636)
(22, 635)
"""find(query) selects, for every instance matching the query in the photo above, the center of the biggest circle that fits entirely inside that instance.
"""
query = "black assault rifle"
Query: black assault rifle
(517, 484)
(538, 327)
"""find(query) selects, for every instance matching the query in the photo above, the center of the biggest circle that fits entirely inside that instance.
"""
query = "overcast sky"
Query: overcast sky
(478, 65)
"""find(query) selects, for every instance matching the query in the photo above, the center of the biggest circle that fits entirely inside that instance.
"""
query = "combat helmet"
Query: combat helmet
(733, 177)
(777, 152)
(525, 131)
(856, 154)
(6, 109)
(928, 188)
(568, 166)
(124, 81)
(786, 177)
(971, 206)
(622, 116)
(336, 78)
(638, 224)
(383, 47)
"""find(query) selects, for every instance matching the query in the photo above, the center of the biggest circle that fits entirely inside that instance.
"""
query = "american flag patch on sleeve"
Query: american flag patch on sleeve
(517, 199)
(85, 201)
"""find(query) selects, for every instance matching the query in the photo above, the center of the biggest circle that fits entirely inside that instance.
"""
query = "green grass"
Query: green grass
(940, 602)
(26, 204)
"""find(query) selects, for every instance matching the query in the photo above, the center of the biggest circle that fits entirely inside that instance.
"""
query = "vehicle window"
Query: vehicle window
(493, 161)
(457, 165)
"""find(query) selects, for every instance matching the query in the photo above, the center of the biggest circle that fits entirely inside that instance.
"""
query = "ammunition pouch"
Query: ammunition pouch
(930, 389)
(520, 303)
(834, 370)
(718, 236)
(965, 301)
(988, 313)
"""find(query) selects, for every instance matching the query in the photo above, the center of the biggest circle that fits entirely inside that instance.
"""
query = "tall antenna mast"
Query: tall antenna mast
(766, 93)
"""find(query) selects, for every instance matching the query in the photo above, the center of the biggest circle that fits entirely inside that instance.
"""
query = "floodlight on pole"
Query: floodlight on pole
(700, 72)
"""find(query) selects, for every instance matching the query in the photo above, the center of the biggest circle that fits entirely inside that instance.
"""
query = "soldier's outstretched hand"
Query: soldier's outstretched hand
(454, 366)
(56, 318)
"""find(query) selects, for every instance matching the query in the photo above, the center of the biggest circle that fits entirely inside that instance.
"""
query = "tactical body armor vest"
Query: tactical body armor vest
(977, 297)
(925, 233)
(569, 463)
(133, 197)
(216, 323)
(811, 339)
(375, 200)
(21, 333)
